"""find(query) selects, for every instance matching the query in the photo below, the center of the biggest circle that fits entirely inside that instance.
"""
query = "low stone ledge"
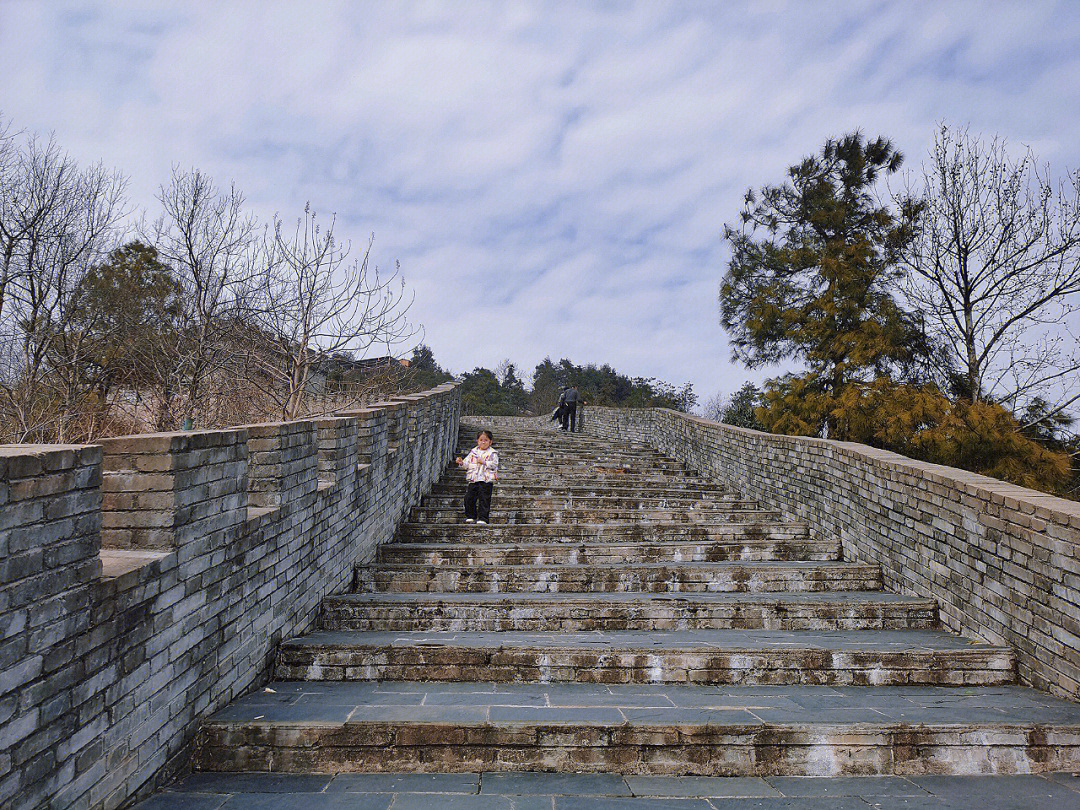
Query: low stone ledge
(216, 545)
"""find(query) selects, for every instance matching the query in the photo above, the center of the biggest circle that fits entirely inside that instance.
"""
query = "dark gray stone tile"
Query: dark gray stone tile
(704, 786)
(405, 783)
(1069, 780)
(485, 699)
(428, 801)
(311, 801)
(561, 715)
(665, 717)
(293, 713)
(628, 803)
(584, 784)
(170, 800)
(813, 803)
(210, 782)
(361, 699)
(1000, 792)
(820, 716)
(845, 786)
(463, 715)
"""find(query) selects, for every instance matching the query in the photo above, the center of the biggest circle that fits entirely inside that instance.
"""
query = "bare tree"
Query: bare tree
(995, 269)
(713, 407)
(56, 221)
(207, 237)
(317, 305)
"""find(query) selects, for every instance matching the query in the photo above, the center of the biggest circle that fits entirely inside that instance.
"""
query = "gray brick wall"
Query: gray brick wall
(146, 582)
(1002, 561)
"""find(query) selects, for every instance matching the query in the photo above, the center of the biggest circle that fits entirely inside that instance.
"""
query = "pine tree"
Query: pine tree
(810, 279)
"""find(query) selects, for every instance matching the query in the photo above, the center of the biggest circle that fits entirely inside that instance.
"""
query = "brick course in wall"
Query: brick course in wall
(148, 581)
(1002, 561)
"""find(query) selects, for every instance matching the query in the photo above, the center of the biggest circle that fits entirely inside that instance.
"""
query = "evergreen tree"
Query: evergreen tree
(741, 409)
(810, 279)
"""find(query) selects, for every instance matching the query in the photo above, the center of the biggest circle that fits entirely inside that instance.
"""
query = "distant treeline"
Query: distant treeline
(502, 392)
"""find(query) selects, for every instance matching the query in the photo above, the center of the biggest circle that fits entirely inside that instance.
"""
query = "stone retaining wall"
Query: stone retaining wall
(1002, 561)
(146, 582)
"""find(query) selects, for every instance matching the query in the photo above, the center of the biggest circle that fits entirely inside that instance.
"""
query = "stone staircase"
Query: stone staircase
(623, 614)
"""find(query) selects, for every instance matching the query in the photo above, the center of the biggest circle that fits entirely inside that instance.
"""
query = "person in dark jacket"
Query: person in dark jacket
(571, 399)
(560, 409)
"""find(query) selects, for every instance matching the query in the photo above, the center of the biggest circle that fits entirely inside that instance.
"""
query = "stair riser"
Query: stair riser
(682, 578)
(407, 554)
(511, 501)
(573, 517)
(626, 532)
(745, 668)
(582, 457)
(563, 479)
(515, 493)
(646, 616)
(715, 750)
(606, 486)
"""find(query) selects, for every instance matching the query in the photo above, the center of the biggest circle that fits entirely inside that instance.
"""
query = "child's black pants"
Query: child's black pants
(478, 500)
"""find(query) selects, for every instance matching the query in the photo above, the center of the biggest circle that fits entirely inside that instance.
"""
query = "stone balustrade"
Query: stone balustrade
(147, 581)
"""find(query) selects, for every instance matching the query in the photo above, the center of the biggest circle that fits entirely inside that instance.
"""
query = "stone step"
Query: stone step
(582, 456)
(329, 727)
(607, 553)
(523, 489)
(503, 514)
(532, 790)
(681, 577)
(586, 532)
(630, 502)
(565, 477)
(551, 438)
(722, 657)
(856, 610)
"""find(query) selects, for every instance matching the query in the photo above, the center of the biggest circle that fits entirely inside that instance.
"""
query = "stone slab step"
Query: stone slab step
(595, 532)
(681, 577)
(524, 489)
(330, 727)
(203, 790)
(555, 439)
(504, 515)
(515, 499)
(607, 553)
(856, 610)
(860, 658)
(587, 465)
(595, 455)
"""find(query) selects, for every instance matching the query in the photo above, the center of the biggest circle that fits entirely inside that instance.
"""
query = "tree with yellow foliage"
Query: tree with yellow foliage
(814, 267)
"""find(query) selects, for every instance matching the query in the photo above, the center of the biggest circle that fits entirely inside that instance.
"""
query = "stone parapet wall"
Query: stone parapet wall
(146, 582)
(1002, 561)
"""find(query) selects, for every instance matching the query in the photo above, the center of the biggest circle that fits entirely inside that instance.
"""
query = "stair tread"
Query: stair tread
(650, 640)
(687, 709)
(834, 597)
(720, 565)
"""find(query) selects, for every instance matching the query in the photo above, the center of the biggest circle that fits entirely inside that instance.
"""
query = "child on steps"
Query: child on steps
(481, 471)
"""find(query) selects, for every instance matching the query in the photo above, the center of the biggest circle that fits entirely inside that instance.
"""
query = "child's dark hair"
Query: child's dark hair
(486, 433)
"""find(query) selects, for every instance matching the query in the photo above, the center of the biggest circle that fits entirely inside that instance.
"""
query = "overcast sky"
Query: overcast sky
(553, 177)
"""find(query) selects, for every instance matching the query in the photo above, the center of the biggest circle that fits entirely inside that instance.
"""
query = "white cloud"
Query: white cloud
(564, 167)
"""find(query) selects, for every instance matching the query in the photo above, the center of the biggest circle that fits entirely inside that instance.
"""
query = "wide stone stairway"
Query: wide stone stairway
(624, 616)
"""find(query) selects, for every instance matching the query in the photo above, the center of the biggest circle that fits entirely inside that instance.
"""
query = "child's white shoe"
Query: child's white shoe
(481, 523)
(469, 520)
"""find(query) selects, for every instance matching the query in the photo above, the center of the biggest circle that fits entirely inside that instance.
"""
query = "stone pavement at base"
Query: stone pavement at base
(560, 791)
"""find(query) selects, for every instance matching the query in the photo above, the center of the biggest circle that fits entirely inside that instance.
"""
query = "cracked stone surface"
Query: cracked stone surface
(567, 791)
